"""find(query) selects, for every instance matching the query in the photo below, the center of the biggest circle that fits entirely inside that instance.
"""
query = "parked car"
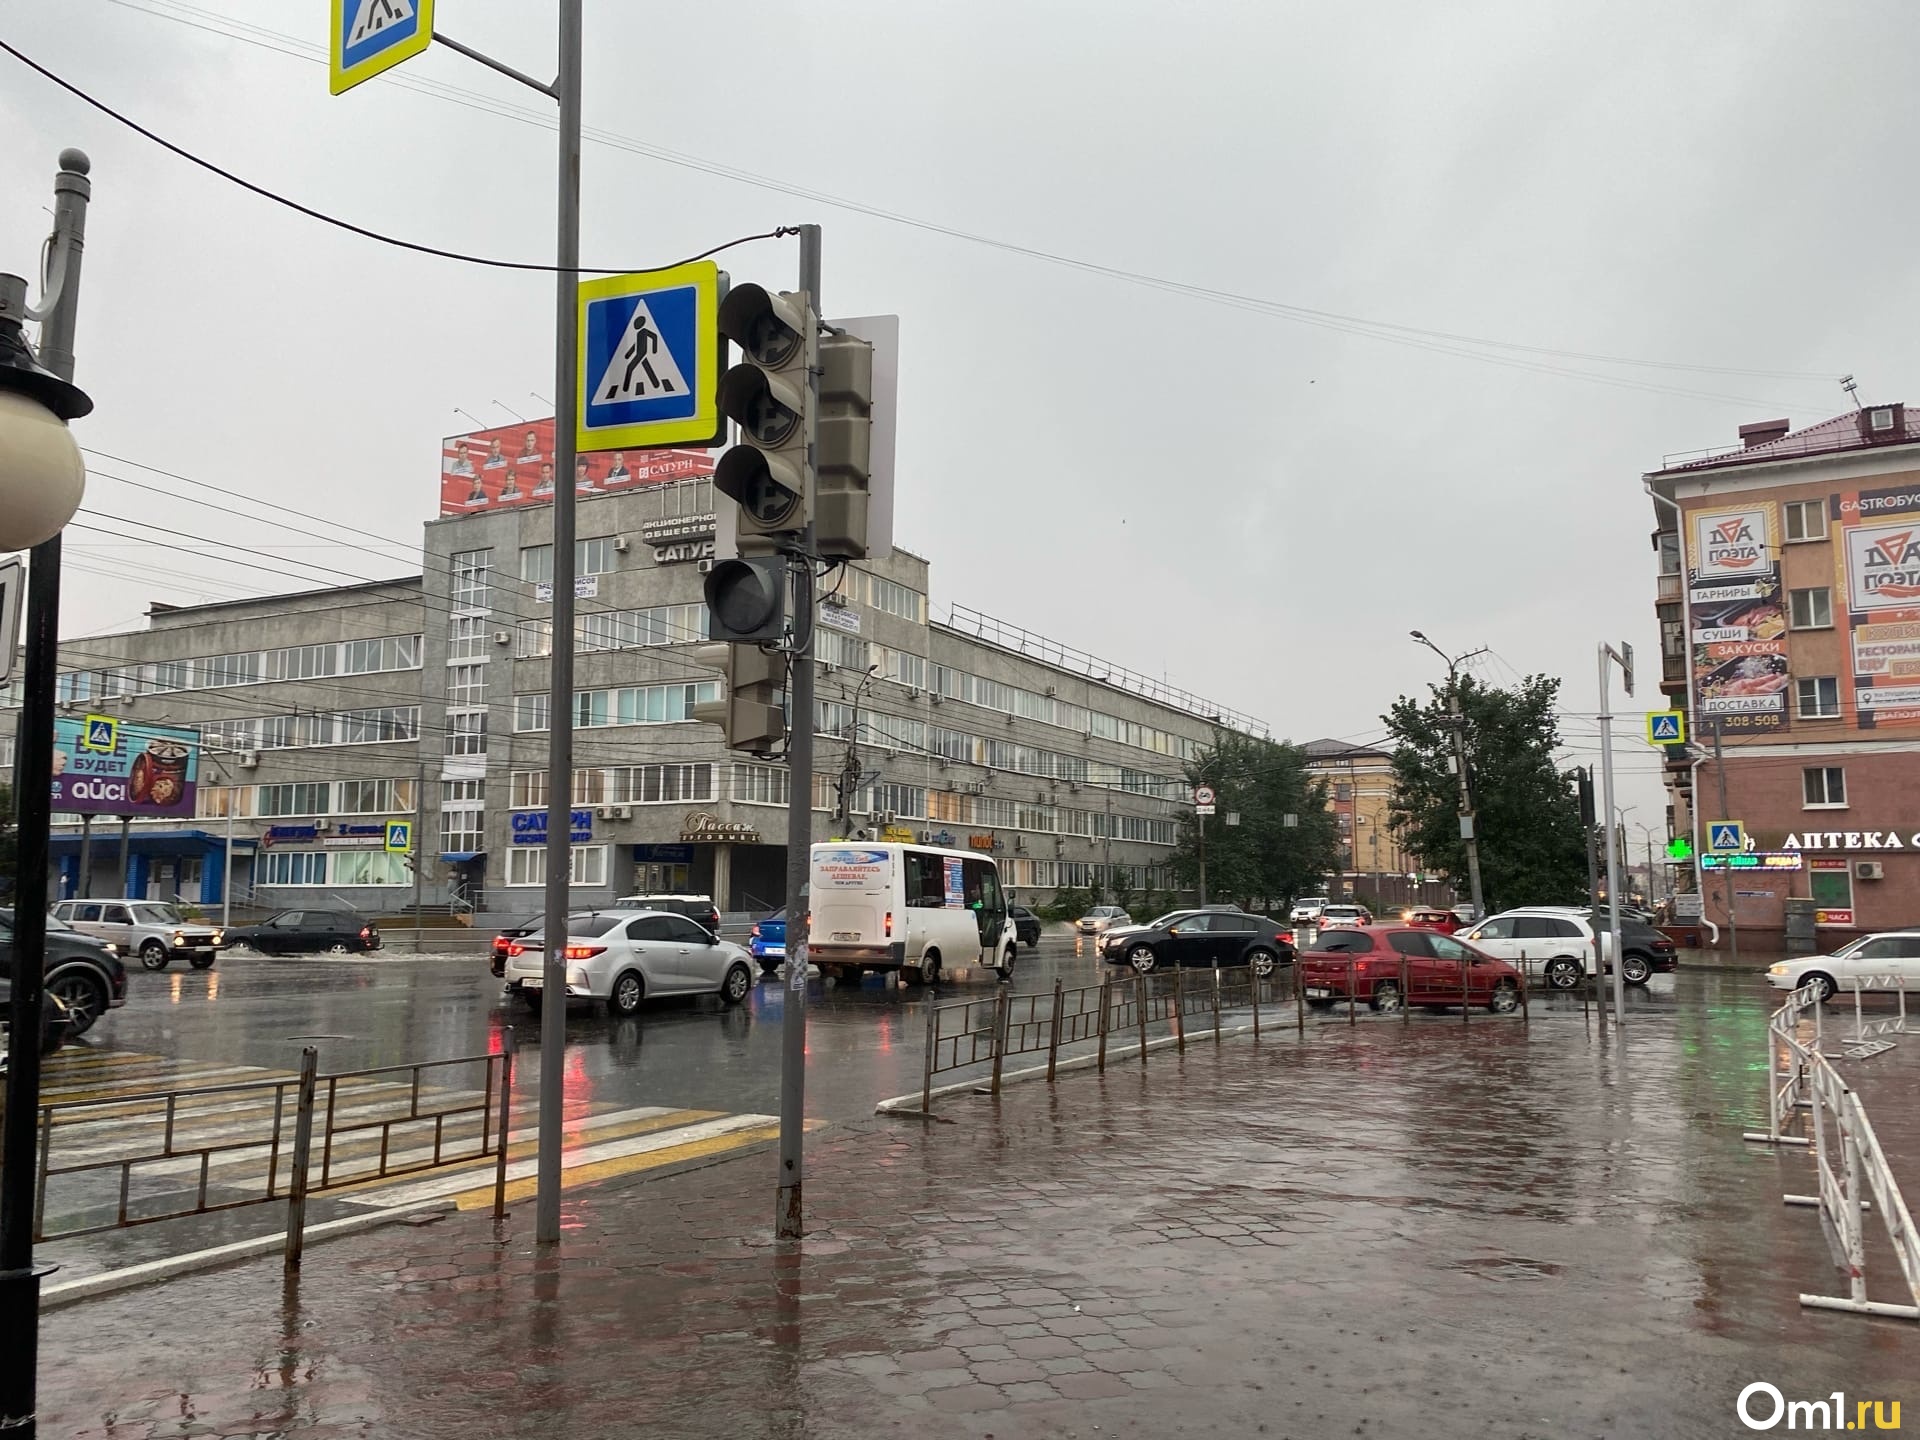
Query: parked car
(620, 959)
(1026, 925)
(505, 936)
(1306, 911)
(309, 932)
(1557, 943)
(768, 941)
(1445, 921)
(153, 930)
(87, 977)
(1112, 944)
(1336, 915)
(1102, 918)
(56, 1021)
(1391, 966)
(1202, 937)
(698, 908)
(1890, 953)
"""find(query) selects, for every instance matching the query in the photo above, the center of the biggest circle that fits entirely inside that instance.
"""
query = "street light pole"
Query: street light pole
(1457, 721)
(33, 397)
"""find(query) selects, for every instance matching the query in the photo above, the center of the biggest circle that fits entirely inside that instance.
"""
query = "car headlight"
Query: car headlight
(219, 937)
(1776, 969)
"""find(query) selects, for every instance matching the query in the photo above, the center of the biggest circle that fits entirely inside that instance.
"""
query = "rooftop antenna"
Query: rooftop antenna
(1853, 391)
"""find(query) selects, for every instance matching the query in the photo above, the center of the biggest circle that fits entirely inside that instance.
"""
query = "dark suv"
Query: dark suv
(309, 932)
(1202, 937)
(87, 977)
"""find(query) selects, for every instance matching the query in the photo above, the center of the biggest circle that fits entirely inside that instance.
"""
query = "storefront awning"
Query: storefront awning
(106, 837)
(460, 857)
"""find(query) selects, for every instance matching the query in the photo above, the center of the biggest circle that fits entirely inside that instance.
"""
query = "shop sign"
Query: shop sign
(843, 618)
(1737, 619)
(530, 826)
(663, 854)
(983, 842)
(704, 825)
(585, 587)
(1754, 860)
(897, 835)
(281, 834)
(683, 551)
(103, 765)
(677, 527)
(504, 468)
(942, 838)
(350, 837)
(1850, 840)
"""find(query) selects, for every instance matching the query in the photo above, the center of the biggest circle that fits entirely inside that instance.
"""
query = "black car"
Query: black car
(1026, 925)
(1203, 937)
(518, 930)
(1647, 951)
(309, 932)
(87, 977)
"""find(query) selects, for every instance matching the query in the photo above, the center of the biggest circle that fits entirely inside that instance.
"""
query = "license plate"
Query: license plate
(1318, 992)
(848, 935)
(533, 982)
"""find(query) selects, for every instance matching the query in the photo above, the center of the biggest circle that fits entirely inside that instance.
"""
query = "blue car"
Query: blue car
(768, 942)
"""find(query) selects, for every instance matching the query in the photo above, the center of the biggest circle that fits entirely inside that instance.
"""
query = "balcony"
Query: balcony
(1671, 589)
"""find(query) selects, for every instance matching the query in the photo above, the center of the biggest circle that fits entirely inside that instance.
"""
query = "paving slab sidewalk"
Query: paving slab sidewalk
(1423, 1230)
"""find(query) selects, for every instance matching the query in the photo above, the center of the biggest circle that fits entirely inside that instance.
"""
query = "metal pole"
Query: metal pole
(1201, 820)
(1469, 823)
(1606, 824)
(506, 1125)
(553, 1026)
(86, 857)
(1727, 879)
(302, 1157)
(788, 1201)
(226, 865)
(419, 858)
(33, 796)
(126, 847)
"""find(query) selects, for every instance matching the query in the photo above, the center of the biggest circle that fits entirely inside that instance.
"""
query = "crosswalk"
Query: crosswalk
(221, 1145)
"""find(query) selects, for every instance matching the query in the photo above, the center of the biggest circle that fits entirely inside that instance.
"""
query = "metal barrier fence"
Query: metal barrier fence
(252, 1142)
(1871, 1033)
(1845, 1153)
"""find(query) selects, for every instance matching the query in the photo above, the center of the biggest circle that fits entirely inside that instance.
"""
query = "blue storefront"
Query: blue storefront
(160, 864)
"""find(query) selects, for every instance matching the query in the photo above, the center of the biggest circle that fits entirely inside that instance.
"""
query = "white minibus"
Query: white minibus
(915, 908)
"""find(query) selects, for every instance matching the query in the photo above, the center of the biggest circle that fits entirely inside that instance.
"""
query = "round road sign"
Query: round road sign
(1203, 795)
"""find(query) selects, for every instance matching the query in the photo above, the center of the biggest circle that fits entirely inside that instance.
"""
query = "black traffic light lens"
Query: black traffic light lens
(767, 420)
(769, 340)
(745, 597)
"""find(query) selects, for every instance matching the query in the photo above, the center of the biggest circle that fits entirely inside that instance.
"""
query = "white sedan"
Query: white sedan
(622, 958)
(1891, 960)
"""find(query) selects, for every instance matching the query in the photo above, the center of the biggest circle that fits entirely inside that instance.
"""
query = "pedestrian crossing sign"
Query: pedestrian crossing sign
(399, 836)
(370, 36)
(649, 362)
(1726, 837)
(100, 735)
(1667, 727)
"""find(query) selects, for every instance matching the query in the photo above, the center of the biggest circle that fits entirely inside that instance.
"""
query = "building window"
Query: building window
(370, 867)
(393, 652)
(1830, 885)
(466, 685)
(290, 867)
(467, 732)
(1825, 787)
(466, 637)
(1806, 519)
(462, 828)
(376, 797)
(1819, 697)
(527, 865)
(595, 556)
(536, 564)
(1811, 609)
(759, 784)
(454, 791)
(533, 638)
(468, 569)
(529, 712)
(310, 799)
(1667, 543)
(1881, 419)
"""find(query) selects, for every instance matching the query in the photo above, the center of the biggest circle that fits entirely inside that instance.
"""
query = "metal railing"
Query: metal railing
(207, 1149)
(1849, 1164)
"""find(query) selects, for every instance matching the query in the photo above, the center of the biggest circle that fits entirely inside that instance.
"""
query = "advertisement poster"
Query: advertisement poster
(1879, 557)
(513, 465)
(1738, 619)
(105, 766)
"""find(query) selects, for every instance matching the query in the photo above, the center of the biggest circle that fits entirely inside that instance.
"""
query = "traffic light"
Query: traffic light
(770, 396)
(747, 599)
(751, 710)
(843, 453)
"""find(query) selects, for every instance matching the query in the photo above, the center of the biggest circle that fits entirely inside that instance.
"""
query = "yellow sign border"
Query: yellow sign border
(403, 825)
(704, 276)
(87, 723)
(341, 78)
(1678, 715)
(1740, 829)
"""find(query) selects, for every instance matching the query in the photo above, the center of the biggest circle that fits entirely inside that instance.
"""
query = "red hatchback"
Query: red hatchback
(1390, 966)
(1423, 918)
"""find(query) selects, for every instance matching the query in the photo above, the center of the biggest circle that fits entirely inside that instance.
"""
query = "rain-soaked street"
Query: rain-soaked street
(1503, 1228)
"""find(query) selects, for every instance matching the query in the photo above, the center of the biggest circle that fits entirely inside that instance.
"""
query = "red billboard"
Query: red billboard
(513, 465)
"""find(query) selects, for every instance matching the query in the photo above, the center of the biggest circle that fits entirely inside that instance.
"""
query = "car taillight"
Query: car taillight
(756, 932)
(584, 952)
(514, 947)
(366, 931)
(889, 924)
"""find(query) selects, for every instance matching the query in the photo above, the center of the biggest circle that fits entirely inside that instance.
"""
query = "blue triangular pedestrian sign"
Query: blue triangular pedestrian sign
(1726, 837)
(1664, 729)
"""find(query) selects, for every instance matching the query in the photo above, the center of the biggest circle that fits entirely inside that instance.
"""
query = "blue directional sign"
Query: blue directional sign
(374, 35)
(649, 358)
(1667, 727)
(1726, 837)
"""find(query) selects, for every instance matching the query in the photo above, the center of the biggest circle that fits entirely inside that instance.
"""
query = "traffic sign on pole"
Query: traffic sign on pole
(649, 358)
(1667, 727)
(399, 836)
(1726, 837)
(1203, 795)
(370, 36)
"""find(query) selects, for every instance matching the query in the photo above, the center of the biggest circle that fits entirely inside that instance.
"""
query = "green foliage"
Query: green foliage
(1529, 814)
(1067, 904)
(1262, 862)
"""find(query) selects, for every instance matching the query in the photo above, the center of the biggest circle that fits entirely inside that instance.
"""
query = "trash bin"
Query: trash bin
(1800, 934)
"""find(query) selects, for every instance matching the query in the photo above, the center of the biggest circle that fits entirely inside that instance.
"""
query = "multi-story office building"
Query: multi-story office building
(1789, 606)
(323, 714)
(1360, 790)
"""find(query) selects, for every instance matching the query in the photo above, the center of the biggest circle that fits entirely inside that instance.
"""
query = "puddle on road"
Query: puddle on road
(1507, 1267)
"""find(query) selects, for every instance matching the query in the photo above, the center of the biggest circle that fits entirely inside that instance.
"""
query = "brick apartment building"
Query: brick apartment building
(1789, 606)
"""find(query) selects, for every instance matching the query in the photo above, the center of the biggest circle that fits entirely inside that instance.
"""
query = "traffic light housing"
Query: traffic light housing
(843, 454)
(747, 599)
(751, 710)
(769, 395)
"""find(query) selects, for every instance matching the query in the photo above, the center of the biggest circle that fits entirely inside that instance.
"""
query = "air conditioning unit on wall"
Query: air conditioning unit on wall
(1869, 869)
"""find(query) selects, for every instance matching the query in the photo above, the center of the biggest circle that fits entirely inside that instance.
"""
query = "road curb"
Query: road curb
(910, 1104)
(110, 1282)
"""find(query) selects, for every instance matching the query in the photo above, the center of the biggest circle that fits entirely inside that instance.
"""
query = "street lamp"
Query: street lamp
(41, 483)
(1469, 827)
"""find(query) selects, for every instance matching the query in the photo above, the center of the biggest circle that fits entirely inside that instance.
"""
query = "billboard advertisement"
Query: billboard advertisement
(107, 766)
(1878, 557)
(1737, 618)
(513, 465)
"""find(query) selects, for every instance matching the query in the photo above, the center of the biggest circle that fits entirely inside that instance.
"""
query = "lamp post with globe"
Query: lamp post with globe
(42, 479)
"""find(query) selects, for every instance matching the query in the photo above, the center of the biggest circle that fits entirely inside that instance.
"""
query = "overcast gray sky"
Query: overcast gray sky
(1257, 503)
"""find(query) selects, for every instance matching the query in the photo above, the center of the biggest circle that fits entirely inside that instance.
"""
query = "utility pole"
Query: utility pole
(1608, 655)
(788, 1202)
(419, 802)
(49, 384)
(566, 316)
(1457, 722)
(1201, 821)
(1727, 878)
(1587, 833)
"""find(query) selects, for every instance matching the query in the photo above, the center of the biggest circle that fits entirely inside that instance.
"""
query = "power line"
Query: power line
(361, 230)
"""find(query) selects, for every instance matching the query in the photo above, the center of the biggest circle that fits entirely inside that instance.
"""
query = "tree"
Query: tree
(1531, 848)
(1262, 860)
